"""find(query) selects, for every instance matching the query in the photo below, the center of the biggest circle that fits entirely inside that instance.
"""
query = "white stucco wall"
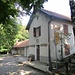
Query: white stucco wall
(13, 51)
(58, 47)
(31, 51)
(44, 54)
(43, 22)
(26, 49)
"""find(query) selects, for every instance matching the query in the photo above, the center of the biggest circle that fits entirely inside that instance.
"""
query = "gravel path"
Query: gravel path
(9, 66)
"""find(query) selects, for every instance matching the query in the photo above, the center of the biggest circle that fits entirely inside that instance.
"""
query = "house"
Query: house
(51, 36)
(21, 48)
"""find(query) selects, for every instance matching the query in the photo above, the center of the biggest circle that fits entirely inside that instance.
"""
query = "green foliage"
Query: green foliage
(72, 7)
(7, 34)
(27, 5)
(2, 50)
(22, 34)
(8, 9)
(10, 33)
(11, 8)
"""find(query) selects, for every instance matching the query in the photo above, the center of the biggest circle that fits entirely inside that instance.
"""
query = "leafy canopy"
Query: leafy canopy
(72, 7)
(11, 8)
(11, 33)
(7, 34)
(22, 34)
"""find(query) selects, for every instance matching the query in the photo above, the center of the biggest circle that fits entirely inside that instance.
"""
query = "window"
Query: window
(37, 31)
(65, 29)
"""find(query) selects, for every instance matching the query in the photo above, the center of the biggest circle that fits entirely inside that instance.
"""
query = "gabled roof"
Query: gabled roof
(49, 14)
(56, 15)
(21, 44)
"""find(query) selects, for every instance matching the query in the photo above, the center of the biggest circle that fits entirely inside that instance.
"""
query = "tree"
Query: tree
(11, 8)
(22, 34)
(7, 34)
(27, 5)
(11, 33)
(72, 7)
(7, 8)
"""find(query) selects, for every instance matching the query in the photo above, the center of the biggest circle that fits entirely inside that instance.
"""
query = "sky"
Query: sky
(58, 6)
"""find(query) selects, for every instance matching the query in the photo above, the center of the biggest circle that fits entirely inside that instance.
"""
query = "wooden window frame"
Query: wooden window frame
(37, 31)
(65, 29)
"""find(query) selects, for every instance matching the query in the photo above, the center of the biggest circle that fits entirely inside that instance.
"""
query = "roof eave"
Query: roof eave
(54, 16)
(31, 18)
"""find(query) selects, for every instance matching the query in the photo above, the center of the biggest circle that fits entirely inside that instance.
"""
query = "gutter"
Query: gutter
(49, 51)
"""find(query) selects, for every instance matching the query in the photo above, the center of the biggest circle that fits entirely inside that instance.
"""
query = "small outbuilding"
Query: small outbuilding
(21, 48)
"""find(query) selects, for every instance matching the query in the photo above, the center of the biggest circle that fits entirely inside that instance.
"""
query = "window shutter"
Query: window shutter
(65, 29)
(39, 30)
(34, 32)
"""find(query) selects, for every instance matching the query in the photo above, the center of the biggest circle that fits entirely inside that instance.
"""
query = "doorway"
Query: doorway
(38, 52)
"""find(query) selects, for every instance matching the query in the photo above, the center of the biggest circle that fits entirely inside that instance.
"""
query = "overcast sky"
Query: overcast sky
(58, 6)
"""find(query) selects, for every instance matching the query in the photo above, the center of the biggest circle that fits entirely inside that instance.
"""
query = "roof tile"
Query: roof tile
(21, 44)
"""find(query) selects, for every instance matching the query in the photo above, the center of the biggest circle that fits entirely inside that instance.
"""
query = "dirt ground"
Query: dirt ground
(9, 66)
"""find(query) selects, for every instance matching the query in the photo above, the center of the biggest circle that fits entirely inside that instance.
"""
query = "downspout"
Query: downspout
(61, 48)
(49, 51)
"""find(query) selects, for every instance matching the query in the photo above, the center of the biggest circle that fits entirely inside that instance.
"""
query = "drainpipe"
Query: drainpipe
(61, 47)
(49, 51)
